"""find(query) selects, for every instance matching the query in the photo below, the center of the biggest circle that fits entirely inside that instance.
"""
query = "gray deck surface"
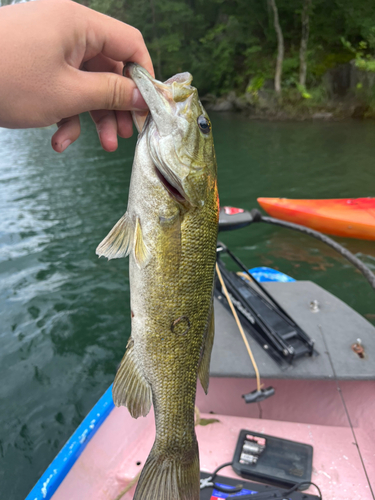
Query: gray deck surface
(334, 328)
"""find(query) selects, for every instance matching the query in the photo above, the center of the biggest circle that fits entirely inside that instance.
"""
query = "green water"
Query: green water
(64, 314)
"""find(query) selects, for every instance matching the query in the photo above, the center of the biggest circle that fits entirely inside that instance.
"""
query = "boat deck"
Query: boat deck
(326, 401)
(335, 327)
(112, 460)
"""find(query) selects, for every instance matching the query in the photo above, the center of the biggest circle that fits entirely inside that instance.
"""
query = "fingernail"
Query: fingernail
(138, 103)
(65, 144)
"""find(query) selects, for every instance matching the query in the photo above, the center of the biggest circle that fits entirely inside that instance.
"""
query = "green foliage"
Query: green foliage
(364, 59)
(325, 61)
(255, 85)
(302, 90)
(231, 44)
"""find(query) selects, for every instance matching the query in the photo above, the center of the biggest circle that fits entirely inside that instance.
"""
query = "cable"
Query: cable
(239, 326)
(208, 482)
(367, 273)
(214, 474)
(296, 487)
(277, 494)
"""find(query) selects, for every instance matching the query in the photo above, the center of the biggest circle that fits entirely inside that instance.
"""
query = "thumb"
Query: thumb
(105, 91)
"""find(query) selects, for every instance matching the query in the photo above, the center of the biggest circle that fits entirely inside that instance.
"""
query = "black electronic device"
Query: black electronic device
(261, 315)
(272, 460)
(265, 492)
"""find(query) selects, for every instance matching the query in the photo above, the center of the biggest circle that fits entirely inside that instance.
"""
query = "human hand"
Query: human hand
(60, 59)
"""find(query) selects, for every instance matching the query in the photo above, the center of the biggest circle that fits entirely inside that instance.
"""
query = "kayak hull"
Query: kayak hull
(347, 217)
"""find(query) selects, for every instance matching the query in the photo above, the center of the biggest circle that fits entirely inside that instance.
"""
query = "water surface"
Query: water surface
(64, 314)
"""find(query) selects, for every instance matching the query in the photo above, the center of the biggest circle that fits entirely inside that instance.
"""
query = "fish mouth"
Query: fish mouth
(159, 99)
(158, 95)
(155, 93)
(173, 191)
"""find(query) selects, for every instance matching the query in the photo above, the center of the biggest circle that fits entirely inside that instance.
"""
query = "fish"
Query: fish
(169, 232)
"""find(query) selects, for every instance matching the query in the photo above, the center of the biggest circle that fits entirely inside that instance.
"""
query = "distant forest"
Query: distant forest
(227, 44)
(246, 45)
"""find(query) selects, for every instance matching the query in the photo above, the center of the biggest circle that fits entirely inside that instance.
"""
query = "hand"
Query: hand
(60, 59)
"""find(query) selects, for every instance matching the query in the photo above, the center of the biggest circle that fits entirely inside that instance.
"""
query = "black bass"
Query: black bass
(169, 231)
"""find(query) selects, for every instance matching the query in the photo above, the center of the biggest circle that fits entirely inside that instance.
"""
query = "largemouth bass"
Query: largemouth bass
(169, 231)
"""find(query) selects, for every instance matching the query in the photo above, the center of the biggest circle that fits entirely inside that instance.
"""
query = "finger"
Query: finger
(124, 124)
(68, 132)
(93, 91)
(118, 41)
(101, 63)
(106, 126)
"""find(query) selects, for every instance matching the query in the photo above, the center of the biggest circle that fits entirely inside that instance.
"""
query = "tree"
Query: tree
(304, 40)
(280, 46)
(224, 44)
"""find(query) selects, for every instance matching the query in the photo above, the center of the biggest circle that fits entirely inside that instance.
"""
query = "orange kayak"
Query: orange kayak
(351, 218)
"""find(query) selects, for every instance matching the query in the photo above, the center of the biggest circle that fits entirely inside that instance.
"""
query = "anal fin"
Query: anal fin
(130, 387)
(204, 363)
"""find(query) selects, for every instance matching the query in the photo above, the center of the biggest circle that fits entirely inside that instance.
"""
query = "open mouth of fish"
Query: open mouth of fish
(173, 192)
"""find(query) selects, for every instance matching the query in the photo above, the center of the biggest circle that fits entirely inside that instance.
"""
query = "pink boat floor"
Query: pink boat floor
(114, 458)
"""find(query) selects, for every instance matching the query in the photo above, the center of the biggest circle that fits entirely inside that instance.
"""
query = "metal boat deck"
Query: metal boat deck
(335, 327)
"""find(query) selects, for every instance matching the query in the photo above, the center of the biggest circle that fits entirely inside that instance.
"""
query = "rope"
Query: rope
(239, 326)
(244, 276)
(129, 486)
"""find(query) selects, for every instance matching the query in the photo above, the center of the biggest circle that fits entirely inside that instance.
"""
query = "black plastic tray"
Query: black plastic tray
(282, 463)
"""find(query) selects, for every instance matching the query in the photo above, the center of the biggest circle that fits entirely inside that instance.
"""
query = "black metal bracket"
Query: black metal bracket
(261, 315)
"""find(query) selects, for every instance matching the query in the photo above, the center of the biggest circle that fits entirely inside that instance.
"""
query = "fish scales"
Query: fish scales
(170, 233)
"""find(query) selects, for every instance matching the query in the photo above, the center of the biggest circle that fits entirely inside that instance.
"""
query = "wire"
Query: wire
(239, 326)
(367, 273)
(276, 493)
(346, 410)
(208, 482)
(297, 487)
(214, 474)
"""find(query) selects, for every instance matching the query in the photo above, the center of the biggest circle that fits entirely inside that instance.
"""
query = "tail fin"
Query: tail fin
(169, 478)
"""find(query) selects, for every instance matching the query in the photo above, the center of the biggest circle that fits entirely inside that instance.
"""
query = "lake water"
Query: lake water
(64, 314)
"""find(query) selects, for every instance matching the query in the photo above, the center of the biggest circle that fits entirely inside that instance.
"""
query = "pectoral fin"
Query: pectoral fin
(119, 240)
(141, 253)
(130, 388)
(204, 364)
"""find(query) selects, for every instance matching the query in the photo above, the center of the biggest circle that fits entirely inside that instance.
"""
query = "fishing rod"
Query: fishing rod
(234, 218)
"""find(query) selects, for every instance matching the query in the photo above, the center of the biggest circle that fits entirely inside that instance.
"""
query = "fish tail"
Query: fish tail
(170, 478)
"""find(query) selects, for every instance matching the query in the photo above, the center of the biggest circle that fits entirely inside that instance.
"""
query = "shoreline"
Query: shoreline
(269, 107)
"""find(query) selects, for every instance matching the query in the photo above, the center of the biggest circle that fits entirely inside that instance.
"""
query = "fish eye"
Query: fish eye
(204, 124)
